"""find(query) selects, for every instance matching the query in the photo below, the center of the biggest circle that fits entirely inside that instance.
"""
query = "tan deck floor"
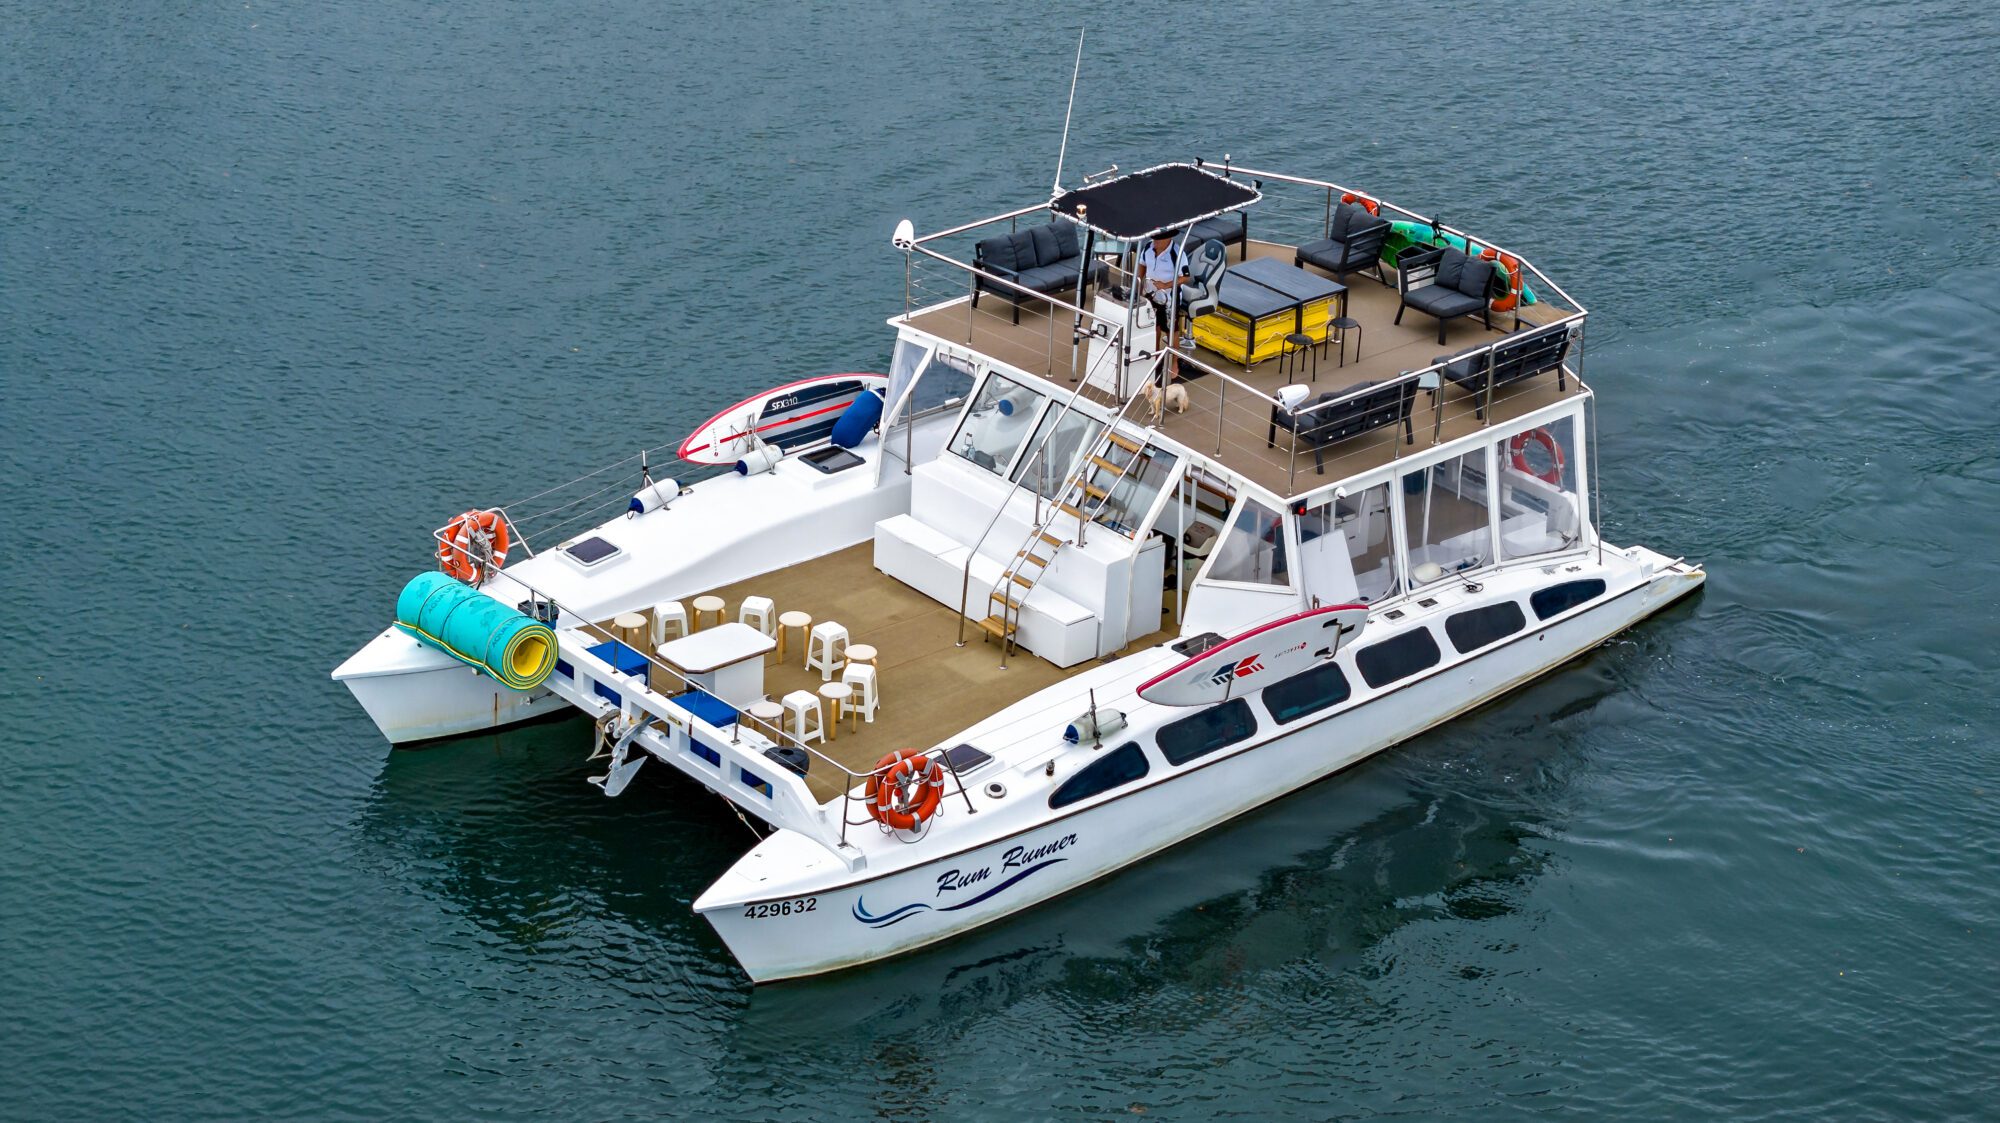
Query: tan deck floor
(929, 687)
(1381, 350)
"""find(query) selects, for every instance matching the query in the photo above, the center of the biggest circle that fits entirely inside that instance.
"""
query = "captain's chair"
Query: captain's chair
(1204, 290)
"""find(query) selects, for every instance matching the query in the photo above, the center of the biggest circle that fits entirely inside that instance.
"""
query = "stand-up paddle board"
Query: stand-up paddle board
(794, 414)
(1262, 655)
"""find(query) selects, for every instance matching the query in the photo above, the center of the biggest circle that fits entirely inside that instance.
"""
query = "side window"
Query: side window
(1207, 730)
(1383, 663)
(1307, 692)
(1561, 598)
(1474, 629)
(1121, 765)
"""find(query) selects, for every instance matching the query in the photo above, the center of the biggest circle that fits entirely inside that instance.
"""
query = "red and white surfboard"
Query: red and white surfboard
(1255, 658)
(796, 413)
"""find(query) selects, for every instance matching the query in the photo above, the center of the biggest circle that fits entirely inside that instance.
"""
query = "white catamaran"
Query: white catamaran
(1060, 589)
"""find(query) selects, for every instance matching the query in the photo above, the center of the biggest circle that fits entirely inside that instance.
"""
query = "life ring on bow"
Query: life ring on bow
(463, 548)
(1506, 301)
(1518, 447)
(905, 789)
(1371, 205)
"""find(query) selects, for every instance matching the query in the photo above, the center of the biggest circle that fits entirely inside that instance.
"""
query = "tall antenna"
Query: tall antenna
(1063, 153)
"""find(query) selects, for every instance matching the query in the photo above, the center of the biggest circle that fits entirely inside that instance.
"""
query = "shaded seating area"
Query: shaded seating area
(1445, 283)
(1353, 242)
(1232, 229)
(1524, 354)
(1339, 414)
(1047, 259)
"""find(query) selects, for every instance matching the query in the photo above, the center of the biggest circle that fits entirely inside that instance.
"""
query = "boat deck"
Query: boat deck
(1232, 425)
(923, 677)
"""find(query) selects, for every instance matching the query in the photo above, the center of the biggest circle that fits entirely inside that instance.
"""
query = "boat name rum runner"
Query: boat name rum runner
(1019, 857)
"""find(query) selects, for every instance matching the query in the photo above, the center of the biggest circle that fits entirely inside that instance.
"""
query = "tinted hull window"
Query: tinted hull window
(1121, 765)
(1470, 631)
(1203, 732)
(1383, 663)
(1557, 599)
(1306, 692)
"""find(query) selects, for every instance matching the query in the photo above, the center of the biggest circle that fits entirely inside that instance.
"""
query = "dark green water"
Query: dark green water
(281, 286)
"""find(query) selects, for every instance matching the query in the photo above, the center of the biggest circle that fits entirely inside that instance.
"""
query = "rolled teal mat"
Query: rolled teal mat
(476, 630)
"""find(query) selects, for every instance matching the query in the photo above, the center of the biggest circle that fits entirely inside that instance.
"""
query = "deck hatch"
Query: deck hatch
(590, 551)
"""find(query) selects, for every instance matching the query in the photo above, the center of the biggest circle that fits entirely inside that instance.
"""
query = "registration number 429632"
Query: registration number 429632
(781, 908)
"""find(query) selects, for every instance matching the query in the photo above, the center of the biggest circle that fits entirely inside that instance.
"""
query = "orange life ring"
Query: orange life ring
(1547, 440)
(905, 789)
(1506, 301)
(1372, 206)
(455, 550)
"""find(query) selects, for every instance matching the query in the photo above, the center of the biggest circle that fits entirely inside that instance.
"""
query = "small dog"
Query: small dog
(1158, 402)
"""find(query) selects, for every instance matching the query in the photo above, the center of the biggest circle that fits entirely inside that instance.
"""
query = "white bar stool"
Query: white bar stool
(668, 614)
(803, 717)
(826, 646)
(759, 613)
(860, 678)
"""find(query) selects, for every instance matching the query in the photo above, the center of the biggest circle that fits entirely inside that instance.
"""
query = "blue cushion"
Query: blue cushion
(1066, 242)
(1477, 275)
(1047, 251)
(857, 420)
(998, 253)
(1450, 268)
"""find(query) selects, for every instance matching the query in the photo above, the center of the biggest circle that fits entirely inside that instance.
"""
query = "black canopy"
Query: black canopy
(1144, 203)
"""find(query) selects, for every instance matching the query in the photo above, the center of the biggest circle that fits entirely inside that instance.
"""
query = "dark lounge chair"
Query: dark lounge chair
(1368, 405)
(1045, 259)
(1353, 242)
(1524, 354)
(1447, 284)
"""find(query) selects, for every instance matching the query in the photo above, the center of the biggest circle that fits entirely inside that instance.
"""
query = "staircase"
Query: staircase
(1082, 498)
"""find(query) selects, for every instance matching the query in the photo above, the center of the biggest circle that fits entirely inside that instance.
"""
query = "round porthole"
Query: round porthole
(996, 790)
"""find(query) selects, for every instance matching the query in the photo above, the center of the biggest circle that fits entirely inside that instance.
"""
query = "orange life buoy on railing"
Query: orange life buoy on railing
(905, 789)
(1518, 447)
(1372, 206)
(1506, 301)
(468, 537)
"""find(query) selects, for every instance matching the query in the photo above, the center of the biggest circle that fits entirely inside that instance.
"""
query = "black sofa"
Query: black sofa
(1524, 354)
(1354, 241)
(1445, 283)
(1369, 405)
(1045, 259)
(1232, 229)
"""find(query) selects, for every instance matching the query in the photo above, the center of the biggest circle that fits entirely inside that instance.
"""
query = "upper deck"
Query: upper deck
(1231, 404)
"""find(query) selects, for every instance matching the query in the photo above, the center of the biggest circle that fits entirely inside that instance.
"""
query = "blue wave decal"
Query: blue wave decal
(890, 917)
(896, 916)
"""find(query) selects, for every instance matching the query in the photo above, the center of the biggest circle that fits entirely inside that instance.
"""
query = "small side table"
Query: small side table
(786, 622)
(706, 604)
(836, 693)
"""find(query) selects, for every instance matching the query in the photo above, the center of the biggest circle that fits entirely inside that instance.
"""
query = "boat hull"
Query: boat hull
(423, 695)
(852, 922)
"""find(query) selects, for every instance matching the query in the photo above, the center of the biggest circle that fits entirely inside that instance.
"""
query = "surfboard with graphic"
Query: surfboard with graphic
(797, 413)
(1256, 658)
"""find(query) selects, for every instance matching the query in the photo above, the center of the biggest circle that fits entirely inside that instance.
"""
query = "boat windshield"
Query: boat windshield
(998, 423)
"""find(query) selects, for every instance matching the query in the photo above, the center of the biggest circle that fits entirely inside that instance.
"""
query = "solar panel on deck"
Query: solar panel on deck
(1143, 203)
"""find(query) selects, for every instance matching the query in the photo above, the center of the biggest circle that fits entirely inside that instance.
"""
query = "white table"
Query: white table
(726, 661)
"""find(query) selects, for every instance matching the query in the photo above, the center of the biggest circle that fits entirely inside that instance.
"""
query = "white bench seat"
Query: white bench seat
(933, 563)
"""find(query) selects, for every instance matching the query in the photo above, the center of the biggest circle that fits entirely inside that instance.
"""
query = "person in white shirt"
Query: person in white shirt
(1162, 267)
